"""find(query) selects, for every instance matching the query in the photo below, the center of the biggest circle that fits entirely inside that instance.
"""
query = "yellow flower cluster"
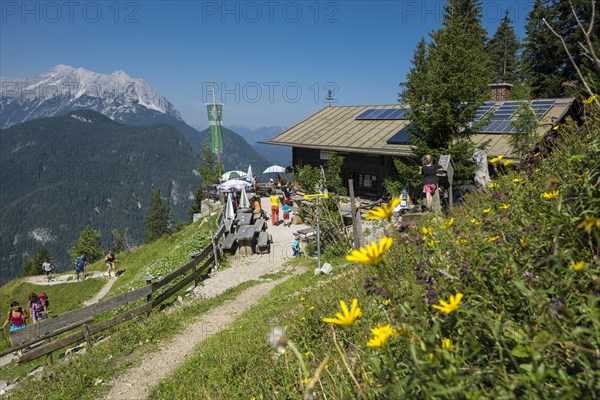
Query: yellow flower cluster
(496, 159)
(427, 231)
(590, 99)
(550, 195)
(517, 180)
(578, 266)
(505, 206)
(492, 186)
(448, 223)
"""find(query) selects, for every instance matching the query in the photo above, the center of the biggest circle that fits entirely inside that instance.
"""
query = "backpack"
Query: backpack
(44, 299)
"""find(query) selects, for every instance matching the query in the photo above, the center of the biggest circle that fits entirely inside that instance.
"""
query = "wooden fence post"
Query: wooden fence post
(148, 280)
(356, 223)
(86, 334)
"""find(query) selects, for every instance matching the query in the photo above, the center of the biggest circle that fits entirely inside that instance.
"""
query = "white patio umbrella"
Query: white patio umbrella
(274, 169)
(229, 175)
(244, 202)
(249, 173)
(229, 214)
(233, 185)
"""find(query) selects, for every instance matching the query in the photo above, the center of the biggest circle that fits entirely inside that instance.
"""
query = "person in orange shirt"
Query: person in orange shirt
(274, 209)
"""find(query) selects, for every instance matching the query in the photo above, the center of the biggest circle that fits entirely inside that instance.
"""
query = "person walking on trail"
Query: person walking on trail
(47, 268)
(430, 180)
(16, 317)
(36, 308)
(80, 267)
(274, 208)
(110, 264)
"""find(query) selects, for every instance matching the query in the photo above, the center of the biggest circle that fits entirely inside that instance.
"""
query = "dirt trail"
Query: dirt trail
(102, 292)
(135, 383)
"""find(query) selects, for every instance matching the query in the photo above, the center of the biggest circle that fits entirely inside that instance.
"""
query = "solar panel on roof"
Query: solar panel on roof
(386, 114)
(382, 113)
(541, 107)
(400, 137)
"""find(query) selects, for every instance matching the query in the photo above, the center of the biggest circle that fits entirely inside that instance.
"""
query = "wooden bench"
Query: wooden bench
(262, 243)
(229, 241)
(259, 226)
(303, 234)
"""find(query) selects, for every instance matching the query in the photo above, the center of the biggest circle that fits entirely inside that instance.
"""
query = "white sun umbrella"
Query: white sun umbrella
(229, 214)
(229, 175)
(273, 169)
(233, 185)
(249, 174)
(244, 202)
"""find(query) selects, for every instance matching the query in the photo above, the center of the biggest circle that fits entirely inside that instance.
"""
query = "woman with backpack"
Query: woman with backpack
(36, 308)
(16, 317)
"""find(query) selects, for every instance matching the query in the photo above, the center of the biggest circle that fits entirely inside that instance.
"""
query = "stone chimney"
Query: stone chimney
(500, 91)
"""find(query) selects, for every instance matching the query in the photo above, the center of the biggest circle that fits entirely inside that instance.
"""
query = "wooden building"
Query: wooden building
(369, 137)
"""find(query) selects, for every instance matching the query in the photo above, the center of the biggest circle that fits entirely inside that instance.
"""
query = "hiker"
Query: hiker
(16, 317)
(274, 208)
(430, 180)
(286, 192)
(110, 263)
(36, 308)
(80, 266)
(47, 268)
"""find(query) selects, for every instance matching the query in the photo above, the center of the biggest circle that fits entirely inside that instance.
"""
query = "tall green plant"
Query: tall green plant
(158, 219)
(33, 264)
(88, 244)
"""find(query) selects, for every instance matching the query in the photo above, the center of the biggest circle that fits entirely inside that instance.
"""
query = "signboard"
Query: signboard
(215, 119)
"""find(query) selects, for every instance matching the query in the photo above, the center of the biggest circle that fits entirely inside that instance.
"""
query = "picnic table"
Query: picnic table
(245, 236)
(243, 218)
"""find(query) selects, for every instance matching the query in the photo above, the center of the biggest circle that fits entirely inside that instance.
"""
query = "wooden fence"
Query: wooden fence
(79, 320)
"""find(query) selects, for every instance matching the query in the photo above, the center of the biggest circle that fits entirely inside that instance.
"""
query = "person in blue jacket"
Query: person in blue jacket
(80, 266)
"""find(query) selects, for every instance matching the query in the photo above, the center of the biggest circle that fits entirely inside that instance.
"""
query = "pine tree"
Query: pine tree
(503, 49)
(550, 74)
(450, 79)
(158, 219)
(87, 244)
(33, 264)
(121, 241)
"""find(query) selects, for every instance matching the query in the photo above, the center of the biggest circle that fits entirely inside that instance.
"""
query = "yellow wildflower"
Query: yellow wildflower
(590, 99)
(475, 222)
(380, 335)
(449, 307)
(372, 254)
(305, 381)
(496, 159)
(492, 186)
(505, 206)
(385, 211)
(462, 241)
(577, 266)
(448, 223)
(522, 241)
(308, 353)
(386, 302)
(550, 195)
(493, 238)
(348, 316)
(431, 244)
(537, 154)
(301, 298)
(508, 162)
(487, 210)
(588, 223)
(537, 170)
(311, 308)
(517, 180)
(427, 231)
(580, 177)
(556, 127)
(447, 344)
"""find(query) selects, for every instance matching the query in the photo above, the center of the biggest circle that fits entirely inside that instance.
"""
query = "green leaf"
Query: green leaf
(520, 351)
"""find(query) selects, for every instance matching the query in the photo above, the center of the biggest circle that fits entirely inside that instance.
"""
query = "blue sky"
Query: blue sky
(274, 59)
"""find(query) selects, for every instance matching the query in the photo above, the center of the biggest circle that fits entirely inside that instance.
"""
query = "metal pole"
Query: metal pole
(318, 235)
(217, 145)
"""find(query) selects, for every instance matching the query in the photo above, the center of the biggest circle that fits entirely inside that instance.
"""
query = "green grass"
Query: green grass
(124, 348)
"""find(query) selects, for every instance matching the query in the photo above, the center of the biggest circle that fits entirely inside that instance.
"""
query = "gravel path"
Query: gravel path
(136, 382)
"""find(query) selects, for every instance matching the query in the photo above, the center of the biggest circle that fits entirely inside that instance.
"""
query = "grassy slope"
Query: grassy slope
(528, 325)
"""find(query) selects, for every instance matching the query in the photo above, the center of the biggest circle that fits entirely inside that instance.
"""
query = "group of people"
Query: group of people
(38, 309)
(286, 207)
(109, 261)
